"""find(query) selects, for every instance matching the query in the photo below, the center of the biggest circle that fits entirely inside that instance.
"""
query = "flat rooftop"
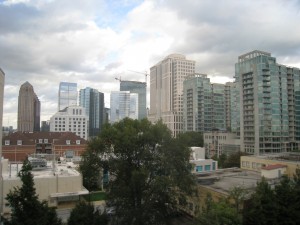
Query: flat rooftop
(225, 180)
(291, 157)
(52, 169)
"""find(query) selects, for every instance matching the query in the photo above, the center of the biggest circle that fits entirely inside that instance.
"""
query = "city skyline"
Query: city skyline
(93, 42)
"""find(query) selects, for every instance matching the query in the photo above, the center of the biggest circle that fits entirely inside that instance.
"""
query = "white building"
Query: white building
(72, 118)
(166, 90)
(55, 183)
(200, 164)
(123, 104)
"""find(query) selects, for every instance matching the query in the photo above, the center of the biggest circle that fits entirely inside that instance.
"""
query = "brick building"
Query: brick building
(17, 146)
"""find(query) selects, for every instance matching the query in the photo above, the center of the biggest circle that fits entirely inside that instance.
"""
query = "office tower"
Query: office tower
(73, 119)
(140, 89)
(29, 109)
(166, 90)
(123, 104)
(269, 104)
(45, 126)
(93, 102)
(67, 95)
(206, 105)
(2, 78)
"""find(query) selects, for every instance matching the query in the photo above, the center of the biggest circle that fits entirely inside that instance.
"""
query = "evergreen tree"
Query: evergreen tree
(24, 203)
(84, 214)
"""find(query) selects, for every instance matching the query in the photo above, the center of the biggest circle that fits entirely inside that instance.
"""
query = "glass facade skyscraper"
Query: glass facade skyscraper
(123, 104)
(93, 101)
(67, 95)
(269, 104)
(140, 89)
(205, 104)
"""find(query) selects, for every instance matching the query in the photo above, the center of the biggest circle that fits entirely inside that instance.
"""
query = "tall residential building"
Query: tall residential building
(206, 105)
(67, 95)
(123, 104)
(140, 89)
(93, 102)
(2, 78)
(166, 90)
(73, 119)
(269, 104)
(29, 109)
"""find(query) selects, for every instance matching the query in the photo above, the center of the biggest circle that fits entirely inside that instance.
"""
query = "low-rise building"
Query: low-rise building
(17, 146)
(58, 184)
(219, 142)
(289, 160)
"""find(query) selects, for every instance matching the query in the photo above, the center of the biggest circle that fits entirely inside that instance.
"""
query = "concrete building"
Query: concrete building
(206, 105)
(93, 102)
(29, 109)
(218, 143)
(269, 98)
(123, 104)
(67, 95)
(140, 89)
(18, 145)
(268, 164)
(71, 119)
(2, 79)
(166, 90)
(58, 184)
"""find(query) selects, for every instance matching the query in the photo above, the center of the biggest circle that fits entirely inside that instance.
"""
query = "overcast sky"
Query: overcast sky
(91, 42)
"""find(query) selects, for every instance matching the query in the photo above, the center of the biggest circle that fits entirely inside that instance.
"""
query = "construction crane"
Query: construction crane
(145, 73)
(119, 79)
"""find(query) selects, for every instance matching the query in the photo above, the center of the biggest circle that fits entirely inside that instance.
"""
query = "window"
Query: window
(199, 168)
(77, 142)
(68, 142)
(19, 142)
(7, 142)
(40, 141)
(46, 141)
(207, 167)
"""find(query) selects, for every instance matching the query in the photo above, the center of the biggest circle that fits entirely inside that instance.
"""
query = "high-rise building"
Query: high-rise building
(67, 95)
(140, 89)
(73, 119)
(2, 78)
(205, 104)
(269, 95)
(123, 104)
(93, 102)
(29, 109)
(166, 90)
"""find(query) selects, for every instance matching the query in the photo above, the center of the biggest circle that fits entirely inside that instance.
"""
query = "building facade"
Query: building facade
(140, 89)
(269, 98)
(93, 102)
(2, 79)
(67, 95)
(166, 90)
(19, 145)
(123, 104)
(206, 105)
(29, 109)
(70, 119)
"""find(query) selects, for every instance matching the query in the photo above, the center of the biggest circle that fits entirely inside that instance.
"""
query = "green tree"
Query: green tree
(192, 138)
(218, 213)
(84, 214)
(261, 208)
(24, 203)
(234, 160)
(221, 160)
(149, 170)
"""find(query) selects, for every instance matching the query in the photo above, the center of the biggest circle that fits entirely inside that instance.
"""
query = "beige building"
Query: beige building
(289, 161)
(217, 143)
(58, 184)
(29, 109)
(166, 90)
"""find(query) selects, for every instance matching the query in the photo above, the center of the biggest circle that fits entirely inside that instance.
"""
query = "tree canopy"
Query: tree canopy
(85, 214)
(149, 170)
(24, 203)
